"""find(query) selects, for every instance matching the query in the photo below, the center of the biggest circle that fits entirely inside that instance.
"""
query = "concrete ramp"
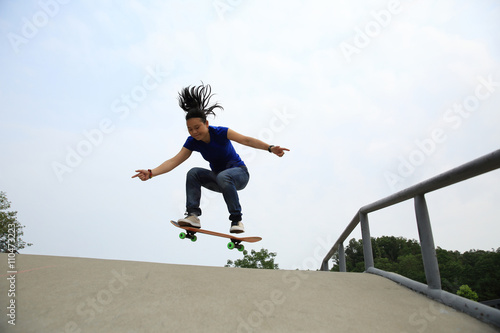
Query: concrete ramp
(61, 294)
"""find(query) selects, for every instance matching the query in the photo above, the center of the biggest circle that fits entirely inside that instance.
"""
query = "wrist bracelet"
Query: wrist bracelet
(269, 148)
(150, 173)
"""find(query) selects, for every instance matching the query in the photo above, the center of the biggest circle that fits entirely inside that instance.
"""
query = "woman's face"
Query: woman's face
(198, 129)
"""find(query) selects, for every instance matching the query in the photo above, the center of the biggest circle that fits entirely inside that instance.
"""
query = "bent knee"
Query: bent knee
(194, 171)
(224, 180)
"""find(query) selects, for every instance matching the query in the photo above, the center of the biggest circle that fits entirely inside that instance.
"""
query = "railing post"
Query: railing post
(342, 267)
(367, 241)
(427, 243)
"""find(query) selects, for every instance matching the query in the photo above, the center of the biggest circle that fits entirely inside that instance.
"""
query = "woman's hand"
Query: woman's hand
(142, 174)
(277, 150)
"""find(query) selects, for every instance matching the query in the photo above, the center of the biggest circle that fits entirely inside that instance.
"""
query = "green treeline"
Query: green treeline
(478, 269)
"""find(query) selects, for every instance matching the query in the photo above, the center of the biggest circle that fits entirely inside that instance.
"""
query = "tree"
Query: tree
(10, 229)
(262, 260)
(451, 269)
(478, 269)
(354, 256)
(466, 292)
(482, 272)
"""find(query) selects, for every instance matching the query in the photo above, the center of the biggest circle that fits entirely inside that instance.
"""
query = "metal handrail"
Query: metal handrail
(417, 192)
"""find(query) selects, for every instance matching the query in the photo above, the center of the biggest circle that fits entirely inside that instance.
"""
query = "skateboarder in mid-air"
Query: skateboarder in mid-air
(228, 173)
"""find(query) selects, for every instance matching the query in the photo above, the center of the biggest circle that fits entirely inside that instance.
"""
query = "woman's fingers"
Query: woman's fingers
(141, 174)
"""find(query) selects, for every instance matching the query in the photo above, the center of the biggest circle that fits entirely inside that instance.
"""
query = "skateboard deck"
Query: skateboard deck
(234, 243)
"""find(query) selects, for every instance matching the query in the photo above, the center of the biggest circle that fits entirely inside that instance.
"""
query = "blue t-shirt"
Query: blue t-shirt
(219, 152)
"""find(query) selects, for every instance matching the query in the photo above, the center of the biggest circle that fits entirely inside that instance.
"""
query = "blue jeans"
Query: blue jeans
(227, 182)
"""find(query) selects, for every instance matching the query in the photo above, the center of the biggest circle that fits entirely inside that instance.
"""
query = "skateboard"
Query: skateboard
(235, 242)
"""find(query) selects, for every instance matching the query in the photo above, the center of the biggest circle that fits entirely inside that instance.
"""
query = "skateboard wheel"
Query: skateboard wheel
(241, 248)
(194, 238)
(182, 235)
(231, 245)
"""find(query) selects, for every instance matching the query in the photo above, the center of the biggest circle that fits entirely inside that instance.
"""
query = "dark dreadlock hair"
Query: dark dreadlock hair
(195, 102)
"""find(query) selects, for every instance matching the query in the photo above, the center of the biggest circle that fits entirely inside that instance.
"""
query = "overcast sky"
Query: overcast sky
(370, 97)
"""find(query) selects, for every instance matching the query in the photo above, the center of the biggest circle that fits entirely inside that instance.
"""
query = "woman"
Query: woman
(228, 172)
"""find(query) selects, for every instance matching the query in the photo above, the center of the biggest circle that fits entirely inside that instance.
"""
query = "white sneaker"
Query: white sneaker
(237, 228)
(190, 221)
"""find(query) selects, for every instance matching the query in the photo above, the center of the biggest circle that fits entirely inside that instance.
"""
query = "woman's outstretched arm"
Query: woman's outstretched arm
(255, 143)
(166, 166)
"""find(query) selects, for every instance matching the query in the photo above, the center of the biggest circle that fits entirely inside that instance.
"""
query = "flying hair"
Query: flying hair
(195, 101)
